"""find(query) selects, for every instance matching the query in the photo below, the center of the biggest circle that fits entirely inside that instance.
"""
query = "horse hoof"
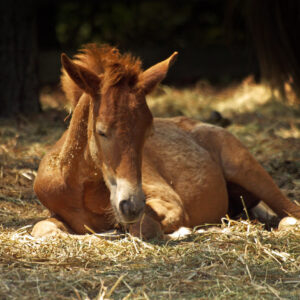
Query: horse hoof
(45, 228)
(288, 223)
(181, 233)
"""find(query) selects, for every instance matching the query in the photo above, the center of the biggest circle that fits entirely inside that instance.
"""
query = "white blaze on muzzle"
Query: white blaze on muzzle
(128, 200)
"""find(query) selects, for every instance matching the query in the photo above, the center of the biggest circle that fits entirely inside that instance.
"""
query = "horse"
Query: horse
(116, 165)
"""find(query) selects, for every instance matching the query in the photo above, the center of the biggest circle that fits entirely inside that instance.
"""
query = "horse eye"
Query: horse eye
(101, 133)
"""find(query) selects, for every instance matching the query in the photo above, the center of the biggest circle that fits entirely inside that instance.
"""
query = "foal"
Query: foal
(117, 165)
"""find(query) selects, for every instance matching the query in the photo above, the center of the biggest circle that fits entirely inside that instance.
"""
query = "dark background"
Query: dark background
(152, 30)
(218, 40)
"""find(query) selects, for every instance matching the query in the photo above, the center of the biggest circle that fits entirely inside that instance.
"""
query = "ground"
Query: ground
(240, 260)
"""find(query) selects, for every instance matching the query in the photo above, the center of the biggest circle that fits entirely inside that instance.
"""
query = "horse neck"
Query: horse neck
(72, 152)
(92, 150)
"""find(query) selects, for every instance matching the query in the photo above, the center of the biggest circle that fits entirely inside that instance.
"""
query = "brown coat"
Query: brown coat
(116, 162)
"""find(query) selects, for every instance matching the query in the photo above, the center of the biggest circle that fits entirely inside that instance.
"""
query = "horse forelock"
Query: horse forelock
(103, 60)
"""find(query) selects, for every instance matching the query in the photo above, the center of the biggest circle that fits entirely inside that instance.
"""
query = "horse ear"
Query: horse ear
(85, 79)
(155, 74)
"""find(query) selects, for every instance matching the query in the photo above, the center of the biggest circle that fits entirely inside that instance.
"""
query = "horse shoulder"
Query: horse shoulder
(50, 182)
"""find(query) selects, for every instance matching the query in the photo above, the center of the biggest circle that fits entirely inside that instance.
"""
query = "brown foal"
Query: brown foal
(117, 165)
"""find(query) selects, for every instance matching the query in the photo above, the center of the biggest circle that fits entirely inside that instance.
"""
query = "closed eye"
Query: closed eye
(101, 133)
(101, 129)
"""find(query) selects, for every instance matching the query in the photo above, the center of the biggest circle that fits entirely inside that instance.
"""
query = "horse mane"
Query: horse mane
(106, 61)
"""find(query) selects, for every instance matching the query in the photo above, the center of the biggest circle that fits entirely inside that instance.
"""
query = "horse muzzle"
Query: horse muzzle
(131, 209)
(128, 201)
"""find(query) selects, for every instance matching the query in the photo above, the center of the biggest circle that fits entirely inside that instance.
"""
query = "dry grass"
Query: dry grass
(240, 260)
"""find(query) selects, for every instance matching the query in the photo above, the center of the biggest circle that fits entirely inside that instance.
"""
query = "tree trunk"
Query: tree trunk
(18, 58)
(274, 25)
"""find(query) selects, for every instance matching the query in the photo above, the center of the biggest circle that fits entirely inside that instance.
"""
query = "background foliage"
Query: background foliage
(211, 36)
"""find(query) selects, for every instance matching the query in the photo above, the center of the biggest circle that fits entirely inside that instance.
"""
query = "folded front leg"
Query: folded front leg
(49, 227)
(147, 228)
(161, 217)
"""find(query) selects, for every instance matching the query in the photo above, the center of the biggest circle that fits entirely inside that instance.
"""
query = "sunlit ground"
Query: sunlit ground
(242, 260)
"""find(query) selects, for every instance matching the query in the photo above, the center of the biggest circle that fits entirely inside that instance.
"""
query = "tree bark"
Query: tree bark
(274, 27)
(18, 58)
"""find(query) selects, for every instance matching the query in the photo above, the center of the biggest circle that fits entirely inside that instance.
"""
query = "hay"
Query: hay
(238, 259)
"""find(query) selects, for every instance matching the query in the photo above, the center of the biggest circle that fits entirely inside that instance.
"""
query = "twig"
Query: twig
(115, 285)
(245, 208)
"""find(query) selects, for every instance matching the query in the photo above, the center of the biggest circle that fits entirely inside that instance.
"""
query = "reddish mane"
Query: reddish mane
(106, 61)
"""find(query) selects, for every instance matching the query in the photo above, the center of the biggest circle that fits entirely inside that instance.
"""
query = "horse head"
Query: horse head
(119, 123)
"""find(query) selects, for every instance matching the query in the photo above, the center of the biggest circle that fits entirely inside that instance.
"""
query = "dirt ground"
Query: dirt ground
(242, 260)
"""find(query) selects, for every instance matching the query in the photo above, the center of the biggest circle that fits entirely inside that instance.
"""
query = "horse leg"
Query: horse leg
(49, 227)
(146, 228)
(240, 168)
(66, 203)
(162, 216)
(239, 199)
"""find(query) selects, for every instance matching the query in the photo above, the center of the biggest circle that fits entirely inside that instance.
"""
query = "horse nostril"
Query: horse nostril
(125, 207)
(130, 209)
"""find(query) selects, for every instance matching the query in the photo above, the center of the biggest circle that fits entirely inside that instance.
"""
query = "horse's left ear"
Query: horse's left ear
(154, 75)
(85, 79)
